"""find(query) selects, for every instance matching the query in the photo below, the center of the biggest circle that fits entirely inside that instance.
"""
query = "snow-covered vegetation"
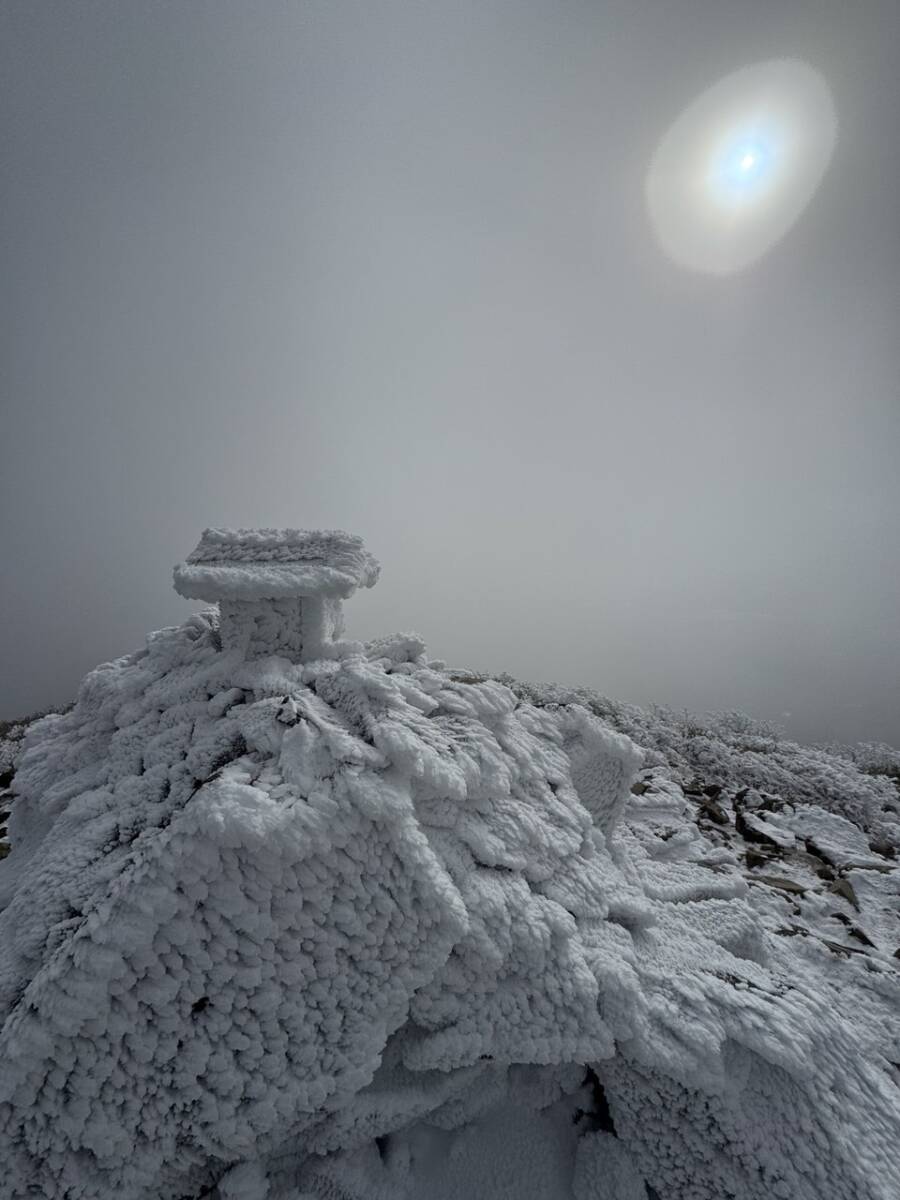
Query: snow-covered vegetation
(288, 916)
(732, 749)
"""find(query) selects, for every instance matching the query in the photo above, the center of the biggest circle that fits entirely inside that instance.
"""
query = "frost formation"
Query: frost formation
(293, 917)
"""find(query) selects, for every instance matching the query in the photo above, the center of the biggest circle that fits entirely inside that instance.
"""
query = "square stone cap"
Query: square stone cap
(274, 564)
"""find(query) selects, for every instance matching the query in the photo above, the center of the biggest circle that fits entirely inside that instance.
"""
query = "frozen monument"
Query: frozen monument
(279, 590)
(292, 917)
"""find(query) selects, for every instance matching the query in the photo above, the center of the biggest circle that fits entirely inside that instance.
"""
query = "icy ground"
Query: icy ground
(338, 922)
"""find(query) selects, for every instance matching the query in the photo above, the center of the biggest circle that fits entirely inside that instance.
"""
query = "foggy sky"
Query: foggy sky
(387, 267)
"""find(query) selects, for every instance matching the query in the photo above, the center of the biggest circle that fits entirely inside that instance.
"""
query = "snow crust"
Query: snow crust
(268, 564)
(360, 926)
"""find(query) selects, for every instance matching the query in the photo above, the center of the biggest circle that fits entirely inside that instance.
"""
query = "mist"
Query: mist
(387, 267)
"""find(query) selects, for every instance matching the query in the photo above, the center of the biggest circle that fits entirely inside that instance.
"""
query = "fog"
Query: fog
(388, 267)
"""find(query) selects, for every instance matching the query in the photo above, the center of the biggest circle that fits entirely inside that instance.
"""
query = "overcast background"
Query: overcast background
(387, 267)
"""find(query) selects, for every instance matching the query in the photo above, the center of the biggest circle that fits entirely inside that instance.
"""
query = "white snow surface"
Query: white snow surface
(363, 927)
(268, 564)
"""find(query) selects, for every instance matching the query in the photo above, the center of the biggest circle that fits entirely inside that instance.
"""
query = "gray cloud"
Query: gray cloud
(387, 267)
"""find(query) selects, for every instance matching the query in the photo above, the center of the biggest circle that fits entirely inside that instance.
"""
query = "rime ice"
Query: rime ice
(292, 916)
(278, 590)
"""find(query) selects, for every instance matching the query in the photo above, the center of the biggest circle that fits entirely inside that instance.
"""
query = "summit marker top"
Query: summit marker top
(270, 564)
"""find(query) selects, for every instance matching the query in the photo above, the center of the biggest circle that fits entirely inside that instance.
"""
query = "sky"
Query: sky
(388, 267)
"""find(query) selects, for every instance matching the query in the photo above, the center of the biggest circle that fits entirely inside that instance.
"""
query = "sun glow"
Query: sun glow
(740, 165)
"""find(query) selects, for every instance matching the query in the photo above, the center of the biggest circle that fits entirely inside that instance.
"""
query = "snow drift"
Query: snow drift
(287, 915)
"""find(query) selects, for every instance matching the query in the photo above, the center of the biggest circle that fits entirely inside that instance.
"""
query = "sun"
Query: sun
(741, 170)
(740, 164)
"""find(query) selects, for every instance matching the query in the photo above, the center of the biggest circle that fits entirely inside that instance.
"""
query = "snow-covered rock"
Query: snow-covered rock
(287, 915)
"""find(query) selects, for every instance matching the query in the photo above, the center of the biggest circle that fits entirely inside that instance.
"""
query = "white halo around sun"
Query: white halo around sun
(740, 165)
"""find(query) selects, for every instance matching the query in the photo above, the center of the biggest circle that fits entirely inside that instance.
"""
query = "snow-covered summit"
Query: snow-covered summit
(290, 917)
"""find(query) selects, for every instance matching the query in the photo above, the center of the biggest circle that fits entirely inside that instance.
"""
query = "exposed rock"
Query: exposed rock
(843, 887)
(884, 848)
(839, 948)
(861, 936)
(784, 885)
(758, 857)
(715, 812)
(756, 829)
(832, 837)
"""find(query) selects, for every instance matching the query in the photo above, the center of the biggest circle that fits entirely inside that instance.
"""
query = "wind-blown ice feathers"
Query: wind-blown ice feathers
(263, 908)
